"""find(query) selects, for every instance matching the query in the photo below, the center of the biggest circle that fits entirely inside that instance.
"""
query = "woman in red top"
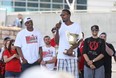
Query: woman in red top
(11, 58)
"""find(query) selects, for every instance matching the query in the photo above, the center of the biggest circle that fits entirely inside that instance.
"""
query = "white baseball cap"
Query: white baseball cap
(27, 19)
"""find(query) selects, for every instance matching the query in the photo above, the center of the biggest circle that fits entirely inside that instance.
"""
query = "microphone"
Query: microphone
(53, 30)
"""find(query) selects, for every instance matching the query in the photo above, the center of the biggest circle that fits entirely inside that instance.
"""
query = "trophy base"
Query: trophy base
(66, 53)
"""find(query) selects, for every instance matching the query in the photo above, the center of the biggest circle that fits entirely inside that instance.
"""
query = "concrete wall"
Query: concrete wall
(101, 5)
(2, 17)
(8, 32)
(45, 21)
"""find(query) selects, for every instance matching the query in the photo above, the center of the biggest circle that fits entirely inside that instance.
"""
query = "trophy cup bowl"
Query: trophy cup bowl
(73, 39)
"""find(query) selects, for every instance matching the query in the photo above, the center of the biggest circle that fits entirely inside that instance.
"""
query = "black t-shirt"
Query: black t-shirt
(93, 47)
(108, 59)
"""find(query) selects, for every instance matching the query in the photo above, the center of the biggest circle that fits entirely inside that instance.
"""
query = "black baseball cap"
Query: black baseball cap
(95, 27)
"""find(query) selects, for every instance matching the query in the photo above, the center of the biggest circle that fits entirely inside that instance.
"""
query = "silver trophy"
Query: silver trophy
(73, 39)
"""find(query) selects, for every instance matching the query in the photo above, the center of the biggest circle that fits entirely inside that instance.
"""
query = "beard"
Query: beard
(65, 20)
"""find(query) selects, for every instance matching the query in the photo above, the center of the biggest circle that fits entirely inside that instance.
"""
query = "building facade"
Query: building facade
(40, 5)
(101, 5)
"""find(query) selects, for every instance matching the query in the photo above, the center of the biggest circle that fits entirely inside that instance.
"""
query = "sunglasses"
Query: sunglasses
(12, 44)
(63, 14)
(94, 30)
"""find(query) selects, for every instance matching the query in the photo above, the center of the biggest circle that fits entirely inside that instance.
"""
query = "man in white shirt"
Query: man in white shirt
(66, 62)
(48, 54)
(29, 45)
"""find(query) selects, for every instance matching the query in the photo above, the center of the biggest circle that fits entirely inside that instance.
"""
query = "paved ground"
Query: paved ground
(113, 69)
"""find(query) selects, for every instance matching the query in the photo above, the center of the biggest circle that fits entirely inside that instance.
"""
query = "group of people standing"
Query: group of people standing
(30, 49)
(96, 54)
(27, 50)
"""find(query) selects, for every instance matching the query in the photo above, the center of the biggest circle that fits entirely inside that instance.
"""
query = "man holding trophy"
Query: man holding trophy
(68, 38)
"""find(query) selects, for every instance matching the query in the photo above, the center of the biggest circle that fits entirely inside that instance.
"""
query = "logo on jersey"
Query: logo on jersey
(31, 39)
(93, 45)
(47, 53)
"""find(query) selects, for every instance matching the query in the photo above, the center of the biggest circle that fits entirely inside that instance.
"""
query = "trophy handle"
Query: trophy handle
(73, 53)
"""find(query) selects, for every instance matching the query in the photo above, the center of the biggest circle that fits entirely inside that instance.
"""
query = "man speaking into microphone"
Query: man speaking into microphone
(67, 62)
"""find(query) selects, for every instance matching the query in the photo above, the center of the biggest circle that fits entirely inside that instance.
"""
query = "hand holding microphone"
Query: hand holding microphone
(56, 28)
(58, 25)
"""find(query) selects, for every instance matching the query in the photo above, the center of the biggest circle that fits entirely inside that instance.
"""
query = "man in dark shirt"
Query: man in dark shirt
(93, 52)
(110, 51)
